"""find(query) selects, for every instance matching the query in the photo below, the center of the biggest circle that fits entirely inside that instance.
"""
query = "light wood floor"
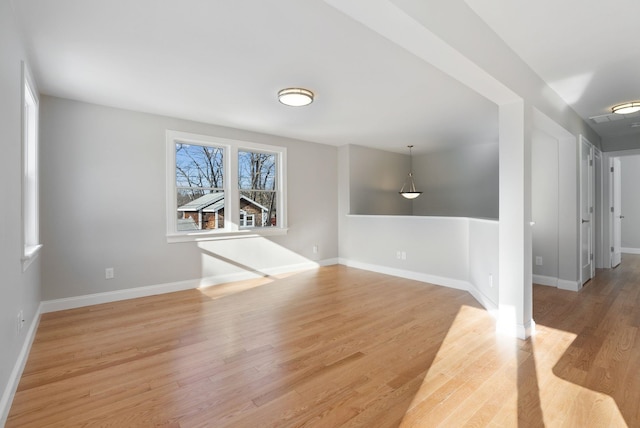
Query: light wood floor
(338, 347)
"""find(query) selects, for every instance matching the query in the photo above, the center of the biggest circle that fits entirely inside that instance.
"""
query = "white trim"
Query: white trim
(545, 280)
(458, 284)
(507, 327)
(431, 217)
(484, 300)
(215, 236)
(590, 204)
(30, 254)
(417, 276)
(630, 250)
(232, 193)
(151, 290)
(527, 330)
(30, 146)
(14, 378)
(564, 284)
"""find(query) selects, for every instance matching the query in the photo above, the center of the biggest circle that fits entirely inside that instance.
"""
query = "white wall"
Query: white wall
(455, 252)
(103, 195)
(18, 290)
(461, 182)
(452, 251)
(544, 207)
(630, 179)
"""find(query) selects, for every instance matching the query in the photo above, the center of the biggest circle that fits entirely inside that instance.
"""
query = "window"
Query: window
(257, 186)
(246, 220)
(219, 188)
(30, 203)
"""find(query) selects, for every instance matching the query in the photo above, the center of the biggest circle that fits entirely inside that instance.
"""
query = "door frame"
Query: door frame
(615, 212)
(588, 216)
(607, 198)
(599, 206)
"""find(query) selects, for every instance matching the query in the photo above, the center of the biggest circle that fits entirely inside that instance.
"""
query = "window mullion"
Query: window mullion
(232, 202)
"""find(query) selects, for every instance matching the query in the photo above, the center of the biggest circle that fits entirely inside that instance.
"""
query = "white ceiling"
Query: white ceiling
(587, 51)
(222, 62)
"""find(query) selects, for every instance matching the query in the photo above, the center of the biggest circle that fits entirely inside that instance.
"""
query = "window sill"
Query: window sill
(30, 254)
(218, 236)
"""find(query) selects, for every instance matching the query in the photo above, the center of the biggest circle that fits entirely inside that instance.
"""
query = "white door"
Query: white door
(586, 209)
(598, 260)
(616, 255)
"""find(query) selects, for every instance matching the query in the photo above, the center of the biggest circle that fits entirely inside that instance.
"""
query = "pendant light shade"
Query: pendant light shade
(408, 189)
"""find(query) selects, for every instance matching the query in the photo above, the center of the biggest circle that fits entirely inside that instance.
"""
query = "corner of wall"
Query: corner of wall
(14, 379)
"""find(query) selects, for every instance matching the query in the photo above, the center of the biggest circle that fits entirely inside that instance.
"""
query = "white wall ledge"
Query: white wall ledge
(491, 220)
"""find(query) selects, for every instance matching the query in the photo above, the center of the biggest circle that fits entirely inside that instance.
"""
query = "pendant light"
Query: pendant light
(410, 192)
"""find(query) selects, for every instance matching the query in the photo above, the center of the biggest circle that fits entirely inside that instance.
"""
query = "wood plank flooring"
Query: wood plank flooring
(338, 347)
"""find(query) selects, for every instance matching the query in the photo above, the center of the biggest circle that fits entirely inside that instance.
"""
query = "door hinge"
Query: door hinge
(611, 169)
(591, 257)
(590, 162)
(612, 249)
(611, 209)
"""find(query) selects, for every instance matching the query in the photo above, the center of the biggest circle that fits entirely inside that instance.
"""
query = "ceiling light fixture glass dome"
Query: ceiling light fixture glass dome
(627, 108)
(295, 97)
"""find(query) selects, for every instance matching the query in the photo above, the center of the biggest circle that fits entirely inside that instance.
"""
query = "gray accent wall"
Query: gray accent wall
(375, 178)
(462, 182)
(103, 204)
(630, 183)
(18, 290)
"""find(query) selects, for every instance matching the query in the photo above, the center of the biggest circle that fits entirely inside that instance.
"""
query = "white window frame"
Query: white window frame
(232, 228)
(246, 220)
(30, 212)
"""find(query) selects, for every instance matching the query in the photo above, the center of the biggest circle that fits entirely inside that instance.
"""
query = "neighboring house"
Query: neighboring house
(207, 212)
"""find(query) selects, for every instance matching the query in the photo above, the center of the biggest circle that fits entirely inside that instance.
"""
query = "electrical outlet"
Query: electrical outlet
(538, 261)
(404, 255)
(109, 273)
(398, 254)
(315, 249)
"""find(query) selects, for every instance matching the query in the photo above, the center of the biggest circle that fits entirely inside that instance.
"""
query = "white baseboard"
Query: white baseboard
(458, 284)
(563, 284)
(417, 276)
(14, 378)
(630, 250)
(489, 305)
(507, 326)
(151, 290)
(545, 280)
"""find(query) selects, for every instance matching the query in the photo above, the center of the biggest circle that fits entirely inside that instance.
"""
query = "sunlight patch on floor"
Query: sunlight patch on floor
(473, 385)
(565, 402)
(480, 378)
(230, 288)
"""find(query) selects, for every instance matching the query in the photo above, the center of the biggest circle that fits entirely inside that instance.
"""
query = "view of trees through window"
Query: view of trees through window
(200, 184)
(257, 183)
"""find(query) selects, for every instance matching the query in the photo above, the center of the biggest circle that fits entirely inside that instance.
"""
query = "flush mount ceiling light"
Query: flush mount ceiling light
(410, 192)
(295, 97)
(627, 108)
